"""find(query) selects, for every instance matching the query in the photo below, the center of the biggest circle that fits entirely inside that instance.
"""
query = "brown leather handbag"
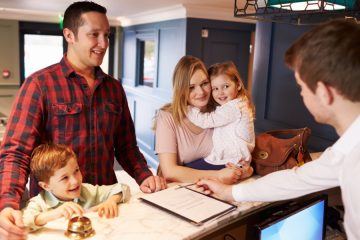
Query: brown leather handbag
(280, 149)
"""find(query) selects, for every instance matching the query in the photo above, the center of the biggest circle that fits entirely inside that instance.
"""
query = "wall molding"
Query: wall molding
(39, 16)
(182, 11)
(161, 14)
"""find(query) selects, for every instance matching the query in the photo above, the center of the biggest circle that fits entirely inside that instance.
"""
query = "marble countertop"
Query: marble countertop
(138, 220)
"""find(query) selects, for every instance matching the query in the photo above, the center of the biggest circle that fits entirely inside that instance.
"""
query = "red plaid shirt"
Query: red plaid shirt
(56, 105)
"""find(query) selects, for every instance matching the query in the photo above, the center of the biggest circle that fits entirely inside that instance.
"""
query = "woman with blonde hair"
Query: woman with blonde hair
(232, 120)
(178, 141)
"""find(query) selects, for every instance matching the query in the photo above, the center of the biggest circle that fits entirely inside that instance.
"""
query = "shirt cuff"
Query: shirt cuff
(29, 222)
(142, 175)
(237, 192)
(123, 189)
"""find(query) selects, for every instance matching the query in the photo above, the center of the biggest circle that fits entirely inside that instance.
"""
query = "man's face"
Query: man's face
(312, 101)
(91, 42)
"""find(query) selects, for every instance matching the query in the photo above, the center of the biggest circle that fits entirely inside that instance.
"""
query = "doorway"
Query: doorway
(42, 44)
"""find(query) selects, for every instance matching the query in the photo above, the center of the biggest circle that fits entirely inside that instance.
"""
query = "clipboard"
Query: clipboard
(188, 204)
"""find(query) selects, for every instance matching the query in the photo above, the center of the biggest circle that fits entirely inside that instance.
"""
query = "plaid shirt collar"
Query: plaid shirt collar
(70, 72)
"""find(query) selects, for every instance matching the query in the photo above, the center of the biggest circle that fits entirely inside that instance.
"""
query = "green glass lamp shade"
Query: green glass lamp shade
(339, 4)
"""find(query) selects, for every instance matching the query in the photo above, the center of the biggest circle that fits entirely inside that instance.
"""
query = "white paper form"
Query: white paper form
(188, 204)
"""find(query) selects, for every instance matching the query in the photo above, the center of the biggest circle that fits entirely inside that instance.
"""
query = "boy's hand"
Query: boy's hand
(68, 209)
(109, 208)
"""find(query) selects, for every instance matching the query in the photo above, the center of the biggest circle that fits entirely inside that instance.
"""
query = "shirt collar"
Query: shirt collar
(349, 139)
(69, 71)
(52, 201)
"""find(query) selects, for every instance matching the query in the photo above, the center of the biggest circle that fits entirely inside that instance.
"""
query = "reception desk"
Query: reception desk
(137, 220)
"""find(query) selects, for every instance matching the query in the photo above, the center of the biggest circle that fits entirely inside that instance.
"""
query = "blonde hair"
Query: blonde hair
(184, 70)
(229, 69)
(49, 157)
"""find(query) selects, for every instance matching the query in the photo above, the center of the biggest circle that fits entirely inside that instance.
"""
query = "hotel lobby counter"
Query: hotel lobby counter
(138, 220)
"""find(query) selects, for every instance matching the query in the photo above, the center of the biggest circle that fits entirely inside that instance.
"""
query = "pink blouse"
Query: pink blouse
(179, 139)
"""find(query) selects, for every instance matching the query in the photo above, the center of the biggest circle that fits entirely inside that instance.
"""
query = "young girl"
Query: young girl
(179, 143)
(233, 124)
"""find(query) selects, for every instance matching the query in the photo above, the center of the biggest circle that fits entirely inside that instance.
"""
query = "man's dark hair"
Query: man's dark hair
(329, 53)
(72, 15)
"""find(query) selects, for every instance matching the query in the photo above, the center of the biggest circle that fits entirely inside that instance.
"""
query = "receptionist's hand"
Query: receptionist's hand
(153, 184)
(218, 189)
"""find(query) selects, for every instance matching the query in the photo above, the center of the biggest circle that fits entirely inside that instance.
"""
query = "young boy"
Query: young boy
(56, 169)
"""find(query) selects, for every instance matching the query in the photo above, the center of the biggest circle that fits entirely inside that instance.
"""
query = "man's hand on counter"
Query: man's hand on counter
(11, 224)
(153, 184)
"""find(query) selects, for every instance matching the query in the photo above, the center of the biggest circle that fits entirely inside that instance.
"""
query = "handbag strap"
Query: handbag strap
(303, 132)
(297, 131)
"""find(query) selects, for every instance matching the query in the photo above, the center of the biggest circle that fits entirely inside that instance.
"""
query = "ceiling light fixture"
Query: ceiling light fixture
(297, 11)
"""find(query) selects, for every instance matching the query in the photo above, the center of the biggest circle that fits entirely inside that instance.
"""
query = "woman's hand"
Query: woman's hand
(229, 175)
(233, 174)
(245, 166)
(247, 170)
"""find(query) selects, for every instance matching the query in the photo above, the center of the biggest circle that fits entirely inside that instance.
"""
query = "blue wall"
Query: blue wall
(175, 39)
(275, 93)
(227, 41)
(145, 101)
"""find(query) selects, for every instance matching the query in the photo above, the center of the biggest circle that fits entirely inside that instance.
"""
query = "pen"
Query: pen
(186, 185)
(239, 165)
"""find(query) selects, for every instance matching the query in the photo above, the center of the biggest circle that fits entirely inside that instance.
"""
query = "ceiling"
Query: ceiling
(117, 9)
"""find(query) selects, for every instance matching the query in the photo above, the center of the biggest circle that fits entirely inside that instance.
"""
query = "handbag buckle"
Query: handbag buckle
(263, 155)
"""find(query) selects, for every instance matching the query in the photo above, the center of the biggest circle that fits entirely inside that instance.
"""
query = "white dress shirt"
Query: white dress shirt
(339, 165)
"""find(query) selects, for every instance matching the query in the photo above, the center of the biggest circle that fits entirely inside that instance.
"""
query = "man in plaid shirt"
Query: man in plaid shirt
(74, 103)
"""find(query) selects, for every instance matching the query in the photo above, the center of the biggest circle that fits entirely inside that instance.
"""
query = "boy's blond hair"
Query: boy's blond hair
(49, 157)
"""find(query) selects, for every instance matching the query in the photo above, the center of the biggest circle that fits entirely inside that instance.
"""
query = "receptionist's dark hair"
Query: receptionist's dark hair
(329, 53)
